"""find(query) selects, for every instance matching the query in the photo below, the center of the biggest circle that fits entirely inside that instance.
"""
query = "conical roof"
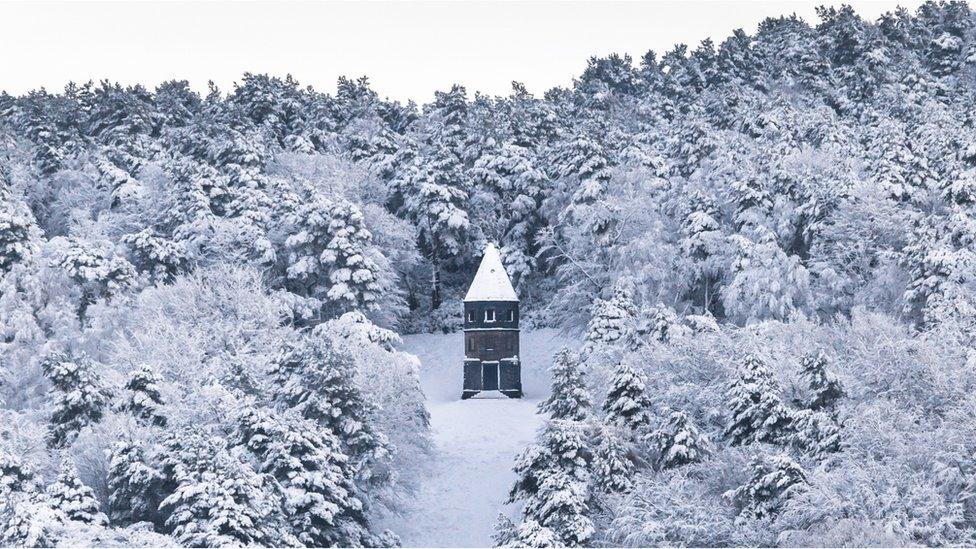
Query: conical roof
(491, 283)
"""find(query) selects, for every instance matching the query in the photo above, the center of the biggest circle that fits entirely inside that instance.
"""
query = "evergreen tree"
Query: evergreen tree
(19, 233)
(316, 380)
(15, 476)
(772, 482)
(29, 521)
(354, 275)
(553, 483)
(216, 500)
(626, 403)
(609, 318)
(758, 413)
(330, 257)
(678, 442)
(79, 399)
(97, 270)
(133, 485)
(77, 501)
(320, 501)
(435, 186)
(824, 384)
(570, 398)
(505, 204)
(159, 256)
(612, 468)
(815, 433)
(702, 242)
(142, 398)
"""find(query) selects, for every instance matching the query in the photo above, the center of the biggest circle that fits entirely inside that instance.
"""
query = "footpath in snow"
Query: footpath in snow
(476, 442)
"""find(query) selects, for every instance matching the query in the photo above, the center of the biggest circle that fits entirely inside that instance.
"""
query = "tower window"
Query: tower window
(511, 315)
(471, 344)
(489, 315)
(470, 316)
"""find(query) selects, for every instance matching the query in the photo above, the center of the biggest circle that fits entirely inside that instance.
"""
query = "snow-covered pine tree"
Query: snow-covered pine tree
(505, 203)
(815, 433)
(352, 272)
(678, 442)
(79, 398)
(757, 412)
(527, 534)
(626, 404)
(435, 186)
(74, 499)
(29, 520)
(824, 384)
(142, 398)
(609, 318)
(659, 323)
(216, 500)
(553, 482)
(772, 482)
(15, 476)
(19, 232)
(317, 380)
(320, 501)
(702, 242)
(570, 398)
(157, 255)
(330, 257)
(584, 167)
(612, 467)
(97, 270)
(133, 486)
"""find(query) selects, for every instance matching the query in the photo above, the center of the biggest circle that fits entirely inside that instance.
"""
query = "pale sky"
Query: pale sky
(408, 49)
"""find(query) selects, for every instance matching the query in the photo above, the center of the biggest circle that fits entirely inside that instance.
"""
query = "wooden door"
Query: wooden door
(489, 376)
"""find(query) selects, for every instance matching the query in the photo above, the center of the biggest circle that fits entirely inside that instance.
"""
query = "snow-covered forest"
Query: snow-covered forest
(766, 248)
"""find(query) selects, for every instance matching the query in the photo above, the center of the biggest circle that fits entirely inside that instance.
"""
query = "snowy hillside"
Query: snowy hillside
(476, 439)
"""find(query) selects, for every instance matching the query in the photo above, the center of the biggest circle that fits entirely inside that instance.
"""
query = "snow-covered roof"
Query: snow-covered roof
(491, 283)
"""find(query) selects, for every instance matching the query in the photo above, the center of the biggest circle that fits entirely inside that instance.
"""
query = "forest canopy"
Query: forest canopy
(201, 295)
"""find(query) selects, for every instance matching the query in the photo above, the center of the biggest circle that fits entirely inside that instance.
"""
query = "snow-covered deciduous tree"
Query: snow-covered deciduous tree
(79, 398)
(678, 442)
(570, 398)
(758, 414)
(765, 281)
(626, 403)
(142, 398)
(134, 485)
(773, 480)
(77, 501)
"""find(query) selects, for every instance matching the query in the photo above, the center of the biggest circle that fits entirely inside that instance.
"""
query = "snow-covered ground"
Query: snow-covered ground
(477, 441)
